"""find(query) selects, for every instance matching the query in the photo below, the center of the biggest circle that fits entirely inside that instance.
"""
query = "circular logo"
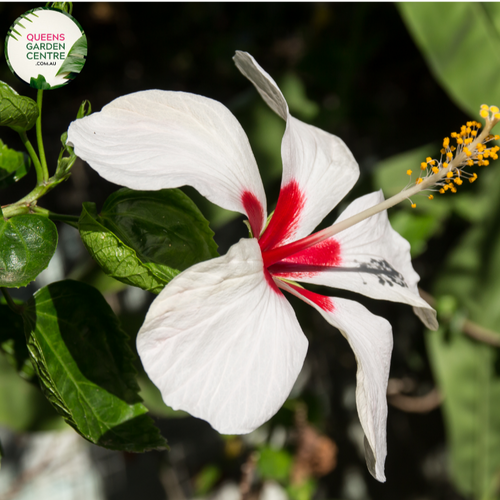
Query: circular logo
(46, 48)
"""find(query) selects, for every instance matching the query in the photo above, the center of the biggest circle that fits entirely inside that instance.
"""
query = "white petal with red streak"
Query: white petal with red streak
(370, 337)
(373, 260)
(156, 139)
(318, 168)
(223, 343)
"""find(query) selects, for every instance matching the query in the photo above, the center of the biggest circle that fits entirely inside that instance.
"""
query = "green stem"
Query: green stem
(41, 150)
(72, 220)
(33, 156)
(12, 305)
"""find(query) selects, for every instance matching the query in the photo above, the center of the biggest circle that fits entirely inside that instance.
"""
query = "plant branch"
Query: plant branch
(41, 150)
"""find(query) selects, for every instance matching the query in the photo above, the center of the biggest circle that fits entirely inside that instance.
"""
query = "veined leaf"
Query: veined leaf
(145, 238)
(13, 165)
(86, 368)
(16, 111)
(27, 243)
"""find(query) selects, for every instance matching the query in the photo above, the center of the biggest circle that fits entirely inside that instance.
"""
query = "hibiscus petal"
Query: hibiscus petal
(370, 337)
(318, 168)
(369, 258)
(223, 343)
(156, 139)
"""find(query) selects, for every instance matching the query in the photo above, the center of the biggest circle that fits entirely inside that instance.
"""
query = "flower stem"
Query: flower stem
(33, 156)
(12, 305)
(41, 150)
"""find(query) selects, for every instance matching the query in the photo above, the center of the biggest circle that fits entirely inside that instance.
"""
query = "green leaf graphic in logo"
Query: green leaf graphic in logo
(75, 61)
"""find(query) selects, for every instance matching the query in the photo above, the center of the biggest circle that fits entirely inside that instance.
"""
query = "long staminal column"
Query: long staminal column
(469, 152)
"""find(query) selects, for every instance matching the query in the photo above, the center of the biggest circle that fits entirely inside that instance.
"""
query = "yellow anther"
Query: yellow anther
(484, 113)
(473, 178)
(494, 109)
(445, 165)
(446, 142)
(458, 181)
(453, 148)
(497, 137)
(453, 189)
(423, 165)
(468, 140)
(441, 191)
(413, 205)
(486, 163)
(409, 172)
(428, 159)
(449, 175)
(484, 106)
(460, 141)
(454, 135)
(435, 170)
(431, 197)
(470, 163)
(419, 180)
(449, 155)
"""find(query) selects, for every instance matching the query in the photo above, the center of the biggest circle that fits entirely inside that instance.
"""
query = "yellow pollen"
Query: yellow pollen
(449, 175)
(413, 205)
(409, 172)
(458, 181)
(435, 170)
(441, 191)
(423, 165)
(473, 178)
(460, 141)
(419, 180)
(484, 113)
(453, 189)
(431, 197)
(494, 109)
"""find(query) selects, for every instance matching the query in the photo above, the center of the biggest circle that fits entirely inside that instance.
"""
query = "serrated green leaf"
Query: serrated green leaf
(75, 60)
(86, 367)
(466, 370)
(461, 43)
(27, 243)
(13, 342)
(16, 111)
(14, 165)
(145, 238)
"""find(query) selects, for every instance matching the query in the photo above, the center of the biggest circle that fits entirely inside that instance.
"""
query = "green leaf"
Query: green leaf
(13, 342)
(274, 464)
(206, 479)
(86, 366)
(75, 60)
(27, 243)
(145, 238)
(467, 371)
(13, 165)
(461, 43)
(16, 111)
(39, 83)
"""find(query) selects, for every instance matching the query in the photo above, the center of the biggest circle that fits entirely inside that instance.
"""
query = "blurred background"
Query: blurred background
(391, 81)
